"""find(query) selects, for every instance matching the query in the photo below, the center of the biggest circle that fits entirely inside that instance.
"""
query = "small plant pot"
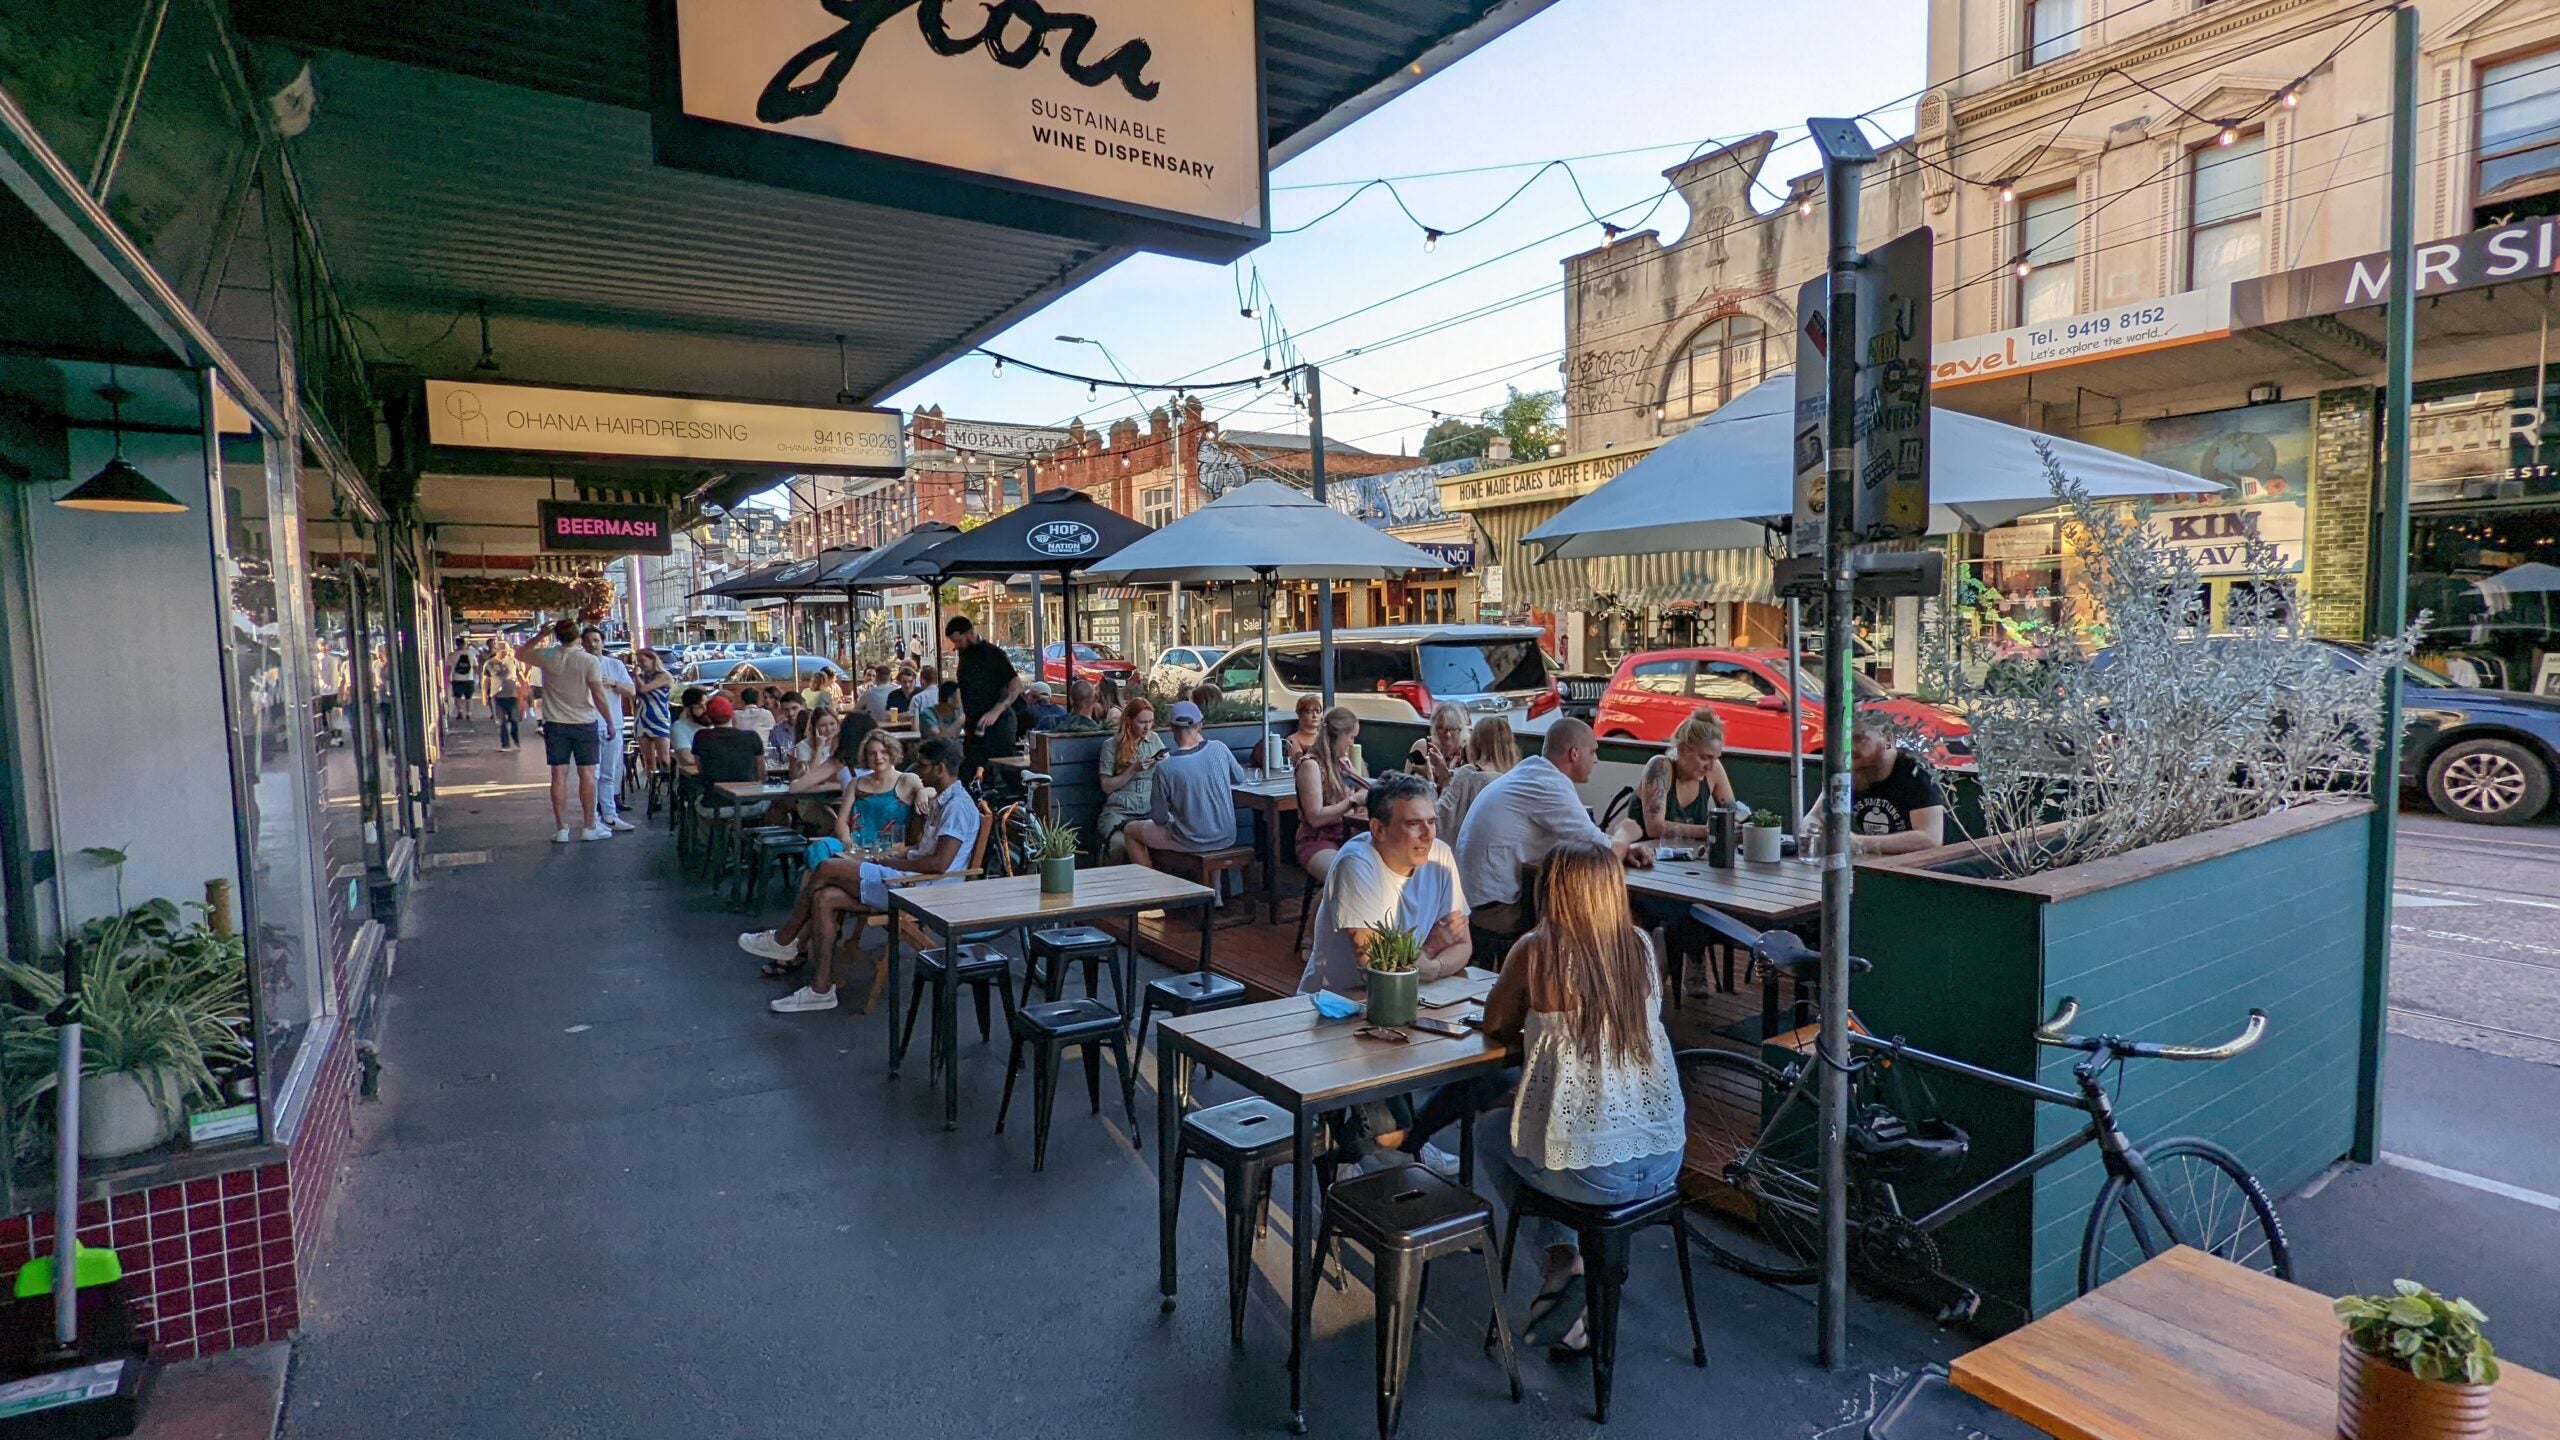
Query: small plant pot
(1393, 995)
(2381, 1401)
(1058, 877)
(123, 1114)
(1763, 844)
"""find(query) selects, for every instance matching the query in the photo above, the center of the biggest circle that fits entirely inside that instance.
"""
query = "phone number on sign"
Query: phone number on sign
(2096, 325)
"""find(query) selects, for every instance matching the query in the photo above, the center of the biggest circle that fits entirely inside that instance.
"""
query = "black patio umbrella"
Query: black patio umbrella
(788, 581)
(1059, 532)
(894, 564)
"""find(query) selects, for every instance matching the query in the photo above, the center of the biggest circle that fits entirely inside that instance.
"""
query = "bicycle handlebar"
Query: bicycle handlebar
(2056, 1032)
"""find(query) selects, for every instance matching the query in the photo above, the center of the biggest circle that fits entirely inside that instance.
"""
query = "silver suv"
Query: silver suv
(1403, 672)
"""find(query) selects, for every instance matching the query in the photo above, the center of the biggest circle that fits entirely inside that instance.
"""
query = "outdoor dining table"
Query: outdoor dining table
(1269, 797)
(1772, 896)
(736, 794)
(2191, 1345)
(953, 909)
(1290, 1055)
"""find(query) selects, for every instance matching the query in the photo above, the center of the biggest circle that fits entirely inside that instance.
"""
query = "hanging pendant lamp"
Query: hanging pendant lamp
(118, 487)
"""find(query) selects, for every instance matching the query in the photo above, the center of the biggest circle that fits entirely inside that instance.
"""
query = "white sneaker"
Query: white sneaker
(622, 825)
(801, 999)
(762, 945)
(595, 832)
(1439, 1162)
(564, 837)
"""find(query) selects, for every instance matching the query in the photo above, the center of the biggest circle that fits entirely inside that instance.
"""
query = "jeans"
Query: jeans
(506, 708)
(1505, 1170)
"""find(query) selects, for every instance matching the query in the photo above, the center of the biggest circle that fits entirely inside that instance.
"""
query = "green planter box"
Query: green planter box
(2175, 942)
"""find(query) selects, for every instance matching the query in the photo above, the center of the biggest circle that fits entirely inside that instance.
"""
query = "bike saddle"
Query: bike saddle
(1791, 957)
(1891, 1145)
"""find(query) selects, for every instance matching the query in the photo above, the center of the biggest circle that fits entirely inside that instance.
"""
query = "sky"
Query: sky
(1582, 78)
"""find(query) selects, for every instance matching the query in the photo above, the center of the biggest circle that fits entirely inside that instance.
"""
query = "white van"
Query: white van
(1402, 672)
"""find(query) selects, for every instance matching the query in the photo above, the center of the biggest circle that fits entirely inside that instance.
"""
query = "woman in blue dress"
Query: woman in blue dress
(877, 809)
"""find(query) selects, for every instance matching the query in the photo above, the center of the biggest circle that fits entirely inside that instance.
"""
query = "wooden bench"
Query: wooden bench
(1205, 867)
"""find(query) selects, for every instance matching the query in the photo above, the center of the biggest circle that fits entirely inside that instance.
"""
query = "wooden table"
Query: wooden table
(1287, 1053)
(1270, 797)
(1769, 895)
(2196, 1347)
(954, 909)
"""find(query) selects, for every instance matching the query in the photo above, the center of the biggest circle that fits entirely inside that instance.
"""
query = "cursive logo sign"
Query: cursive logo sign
(1016, 33)
(1062, 539)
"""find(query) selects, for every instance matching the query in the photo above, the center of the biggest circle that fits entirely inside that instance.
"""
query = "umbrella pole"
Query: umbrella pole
(1795, 711)
(1262, 673)
(1039, 621)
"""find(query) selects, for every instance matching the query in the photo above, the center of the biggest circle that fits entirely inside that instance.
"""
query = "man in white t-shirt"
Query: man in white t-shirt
(620, 691)
(1399, 876)
(573, 699)
(1517, 820)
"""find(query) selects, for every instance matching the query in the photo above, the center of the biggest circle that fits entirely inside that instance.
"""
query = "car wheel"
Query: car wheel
(2494, 782)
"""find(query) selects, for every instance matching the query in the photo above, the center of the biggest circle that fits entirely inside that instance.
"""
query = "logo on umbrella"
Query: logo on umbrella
(794, 573)
(1062, 539)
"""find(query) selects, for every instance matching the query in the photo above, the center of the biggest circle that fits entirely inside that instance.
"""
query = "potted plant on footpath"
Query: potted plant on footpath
(164, 1005)
(1053, 847)
(1390, 959)
(2413, 1365)
(1763, 837)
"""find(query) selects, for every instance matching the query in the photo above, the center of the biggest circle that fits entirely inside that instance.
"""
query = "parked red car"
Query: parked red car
(1652, 692)
(1092, 663)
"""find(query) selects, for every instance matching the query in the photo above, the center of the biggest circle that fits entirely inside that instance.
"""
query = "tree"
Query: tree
(1456, 438)
(1534, 421)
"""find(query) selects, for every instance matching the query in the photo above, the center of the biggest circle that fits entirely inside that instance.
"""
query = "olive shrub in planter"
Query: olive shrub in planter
(2168, 836)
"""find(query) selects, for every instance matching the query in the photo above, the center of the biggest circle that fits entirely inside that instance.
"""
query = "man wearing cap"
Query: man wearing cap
(1195, 800)
(1046, 712)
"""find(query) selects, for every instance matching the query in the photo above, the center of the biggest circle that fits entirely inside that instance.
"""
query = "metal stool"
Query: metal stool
(1247, 1140)
(1053, 950)
(1406, 1218)
(1050, 1028)
(1604, 1233)
(980, 966)
(1181, 995)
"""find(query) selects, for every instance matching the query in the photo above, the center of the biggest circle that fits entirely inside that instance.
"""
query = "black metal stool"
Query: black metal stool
(780, 844)
(1053, 950)
(980, 966)
(1406, 1218)
(1604, 1233)
(1247, 1140)
(1052, 1027)
(1180, 995)
(1307, 899)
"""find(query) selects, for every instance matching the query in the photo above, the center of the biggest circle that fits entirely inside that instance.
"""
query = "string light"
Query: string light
(2292, 98)
(2008, 193)
(1250, 312)
(999, 367)
(1805, 206)
(1093, 389)
(2024, 269)
(2228, 137)
(1609, 233)
(1430, 240)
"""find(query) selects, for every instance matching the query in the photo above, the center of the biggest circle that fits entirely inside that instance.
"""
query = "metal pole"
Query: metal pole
(1795, 711)
(1844, 154)
(2391, 572)
(1039, 625)
(66, 1156)
(1324, 588)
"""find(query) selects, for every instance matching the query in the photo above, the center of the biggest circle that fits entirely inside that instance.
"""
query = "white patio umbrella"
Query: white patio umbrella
(1263, 531)
(1724, 483)
(2531, 577)
(1721, 483)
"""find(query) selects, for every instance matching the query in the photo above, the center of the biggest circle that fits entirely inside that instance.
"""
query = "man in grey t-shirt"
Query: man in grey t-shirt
(1195, 800)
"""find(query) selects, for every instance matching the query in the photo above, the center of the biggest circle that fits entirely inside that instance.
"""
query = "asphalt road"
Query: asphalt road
(2475, 956)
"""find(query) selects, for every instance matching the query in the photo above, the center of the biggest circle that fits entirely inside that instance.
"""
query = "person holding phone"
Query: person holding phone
(1437, 756)
(1128, 776)
(1332, 793)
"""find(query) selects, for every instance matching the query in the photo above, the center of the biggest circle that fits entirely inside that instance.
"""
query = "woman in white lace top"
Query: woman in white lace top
(1598, 1117)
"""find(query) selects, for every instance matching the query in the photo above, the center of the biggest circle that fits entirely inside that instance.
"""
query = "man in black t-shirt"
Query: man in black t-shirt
(1894, 805)
(988, 687)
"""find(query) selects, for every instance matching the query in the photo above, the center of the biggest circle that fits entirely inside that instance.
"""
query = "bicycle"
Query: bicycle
(2182, 1191)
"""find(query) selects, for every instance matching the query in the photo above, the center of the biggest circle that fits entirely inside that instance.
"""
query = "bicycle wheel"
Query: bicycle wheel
(1766, 1220)
(2208, 1194)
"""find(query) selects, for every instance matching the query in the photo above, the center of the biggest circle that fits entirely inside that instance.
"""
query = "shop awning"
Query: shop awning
(1705, 576)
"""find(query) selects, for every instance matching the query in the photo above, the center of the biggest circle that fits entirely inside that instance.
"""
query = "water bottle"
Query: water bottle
(1720, 838)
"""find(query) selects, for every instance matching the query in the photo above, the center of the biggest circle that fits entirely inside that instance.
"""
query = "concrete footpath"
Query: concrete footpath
(607, 1193)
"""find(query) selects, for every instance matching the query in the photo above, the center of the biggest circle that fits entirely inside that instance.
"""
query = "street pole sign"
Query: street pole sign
(1890, 500)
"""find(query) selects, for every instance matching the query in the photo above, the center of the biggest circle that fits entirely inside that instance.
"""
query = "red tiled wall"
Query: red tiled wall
(213, 1263)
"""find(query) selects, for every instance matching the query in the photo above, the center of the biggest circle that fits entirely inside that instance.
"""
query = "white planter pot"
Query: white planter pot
(1763, 844)
(122, 1113)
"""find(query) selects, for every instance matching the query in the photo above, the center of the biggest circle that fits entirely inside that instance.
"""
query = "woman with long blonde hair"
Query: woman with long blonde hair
(1332, 793)
(1128, 778)
(1491, 749)
(1598, 1117)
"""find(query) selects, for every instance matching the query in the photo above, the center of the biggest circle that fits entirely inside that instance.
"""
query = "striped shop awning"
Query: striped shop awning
(1699, 575)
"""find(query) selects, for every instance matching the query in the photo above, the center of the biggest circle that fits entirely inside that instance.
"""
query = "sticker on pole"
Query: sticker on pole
(1889, 499)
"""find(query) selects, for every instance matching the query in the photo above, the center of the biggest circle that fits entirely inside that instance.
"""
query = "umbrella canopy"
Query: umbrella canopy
(1264, 530)
(891, 564)
(1057, 532)
(788, 580)
(1720, 484)
(2531, 577)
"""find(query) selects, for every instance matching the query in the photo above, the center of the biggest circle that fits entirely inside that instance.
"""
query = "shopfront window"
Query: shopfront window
(2225, 239)
(2049, 251)
(2519, 133)
(2488, 580)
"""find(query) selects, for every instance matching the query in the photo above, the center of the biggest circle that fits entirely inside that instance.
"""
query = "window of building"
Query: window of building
(1155, 507)
(2053, 30)
(2225, 241)
(2519, 134)
(1724, 359)
(2049, 246)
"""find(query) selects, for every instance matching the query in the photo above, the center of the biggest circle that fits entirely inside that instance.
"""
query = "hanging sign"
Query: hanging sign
(1133, 122)
(610, 529)
(474, 415)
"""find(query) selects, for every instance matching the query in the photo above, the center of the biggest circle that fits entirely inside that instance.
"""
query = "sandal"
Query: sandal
(1567, 1350)
(1554, 1311)
(782, 969)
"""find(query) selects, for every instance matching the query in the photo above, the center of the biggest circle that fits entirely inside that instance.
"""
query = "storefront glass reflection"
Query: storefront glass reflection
(2484, 544)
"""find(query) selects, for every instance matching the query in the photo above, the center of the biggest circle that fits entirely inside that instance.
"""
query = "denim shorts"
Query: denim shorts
(564, 744)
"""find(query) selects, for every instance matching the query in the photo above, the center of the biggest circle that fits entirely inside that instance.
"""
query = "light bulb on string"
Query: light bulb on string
(2024, 269)
(2008, 193)
(2228, 138)
(1805, 206)
(999, 367)
(1430, 240)
(1093, 389)
(2291, 97)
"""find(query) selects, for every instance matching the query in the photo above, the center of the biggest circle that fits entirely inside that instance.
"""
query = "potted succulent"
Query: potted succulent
(1053, 847)
(1390, 958)
(2413, 1365)
(164, 1007)
(1763, 837)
